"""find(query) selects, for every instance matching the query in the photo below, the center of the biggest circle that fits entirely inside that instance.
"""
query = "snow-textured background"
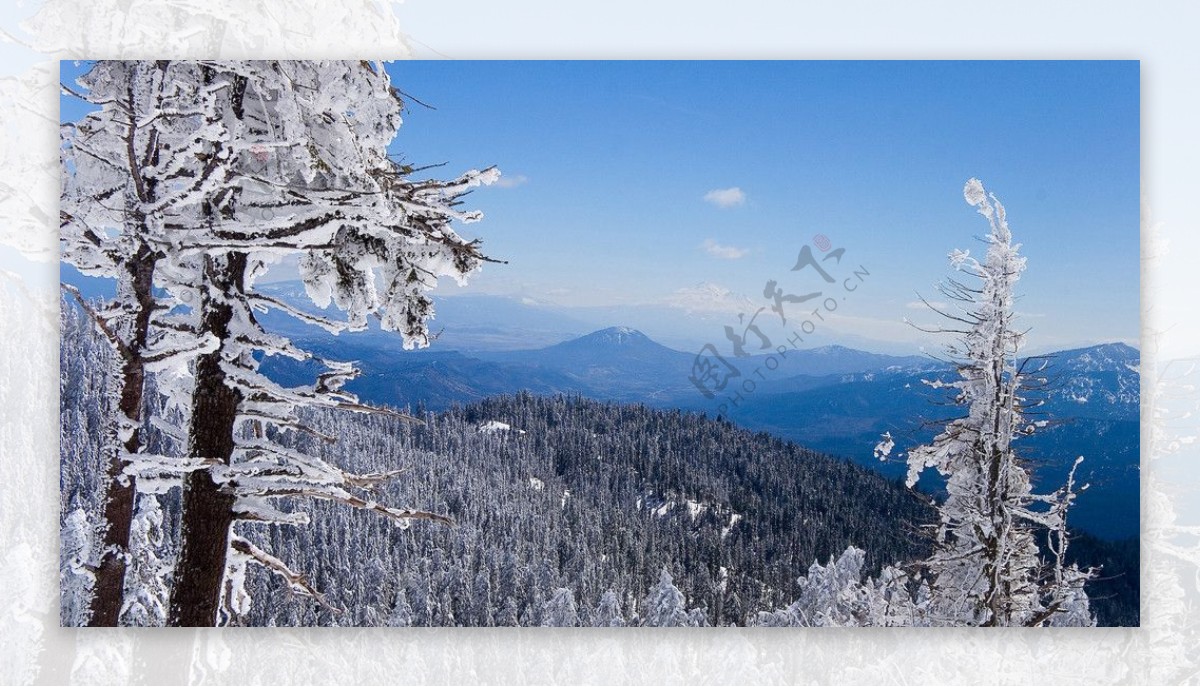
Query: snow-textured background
(34, 649)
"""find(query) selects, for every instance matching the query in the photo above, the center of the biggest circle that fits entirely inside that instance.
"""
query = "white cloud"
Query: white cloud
(511, 181)
(707, 297)
(726, 197)
(724, 252)
(921, 305)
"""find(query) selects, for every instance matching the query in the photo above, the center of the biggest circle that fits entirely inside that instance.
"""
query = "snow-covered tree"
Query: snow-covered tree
(263, 160)
(608, 611)
(358, 223)
(76, 569)
(664, 606)
(146, 588)
(481, 601)
(509, 615)
(986, 569)
(835, 595)
(402, 613)
(560, 609)
(136, 163)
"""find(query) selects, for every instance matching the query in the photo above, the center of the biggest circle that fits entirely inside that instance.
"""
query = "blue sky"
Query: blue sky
(610, 163)
(619, 182)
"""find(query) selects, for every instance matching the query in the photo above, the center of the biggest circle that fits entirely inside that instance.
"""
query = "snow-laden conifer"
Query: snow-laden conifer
(190, 180)
(835, 595)
(986, 568)
(664, 606)
(560, 610)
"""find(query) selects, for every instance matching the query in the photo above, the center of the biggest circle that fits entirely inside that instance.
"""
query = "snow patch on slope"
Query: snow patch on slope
(660, 507)
(492, 426)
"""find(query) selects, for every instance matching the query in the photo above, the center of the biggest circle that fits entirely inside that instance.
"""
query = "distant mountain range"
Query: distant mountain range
(1090, 397)
(617, 363)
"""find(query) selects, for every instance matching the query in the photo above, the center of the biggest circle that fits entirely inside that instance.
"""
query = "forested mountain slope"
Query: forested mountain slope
(552, 493)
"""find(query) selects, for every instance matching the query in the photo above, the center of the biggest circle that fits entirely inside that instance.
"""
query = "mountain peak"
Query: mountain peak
(833, 349)
(1118, 347)
(1111, 357)
(617, 335)
(617, 345)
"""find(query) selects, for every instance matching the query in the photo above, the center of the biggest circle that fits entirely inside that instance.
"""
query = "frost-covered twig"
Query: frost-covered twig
(400, 516)
(297, 582)
(101, 322)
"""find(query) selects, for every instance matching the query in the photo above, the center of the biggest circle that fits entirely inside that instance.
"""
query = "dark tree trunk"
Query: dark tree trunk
(108, 596)
(207, 510)
(109, 593)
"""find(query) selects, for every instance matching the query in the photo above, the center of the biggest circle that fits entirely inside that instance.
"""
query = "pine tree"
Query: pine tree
(664, 605)
(986, 569)
(189, 181)
(608, 612)
(835, 595)
(146, 589)
(402, 613)
(357, 221)
(75, 567)
(509, 615)
(130, 167)
(560, 609)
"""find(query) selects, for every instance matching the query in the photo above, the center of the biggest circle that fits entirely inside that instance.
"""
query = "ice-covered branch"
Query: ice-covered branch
(101, 322)
(297, 582)
(399, 515)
